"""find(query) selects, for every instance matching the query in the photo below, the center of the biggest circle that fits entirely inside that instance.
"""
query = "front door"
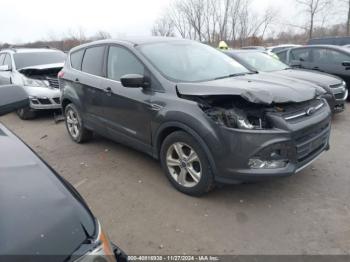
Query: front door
(127, 111)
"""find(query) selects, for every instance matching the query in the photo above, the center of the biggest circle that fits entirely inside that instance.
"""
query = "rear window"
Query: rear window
(23, 60)
(76, 59)
(93, 60)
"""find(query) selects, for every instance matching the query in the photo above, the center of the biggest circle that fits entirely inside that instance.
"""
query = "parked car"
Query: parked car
(328, 59)
(278, 48)
(43, 218)
(206, 117)
(36, 70)
(330, 41)
(263, 63)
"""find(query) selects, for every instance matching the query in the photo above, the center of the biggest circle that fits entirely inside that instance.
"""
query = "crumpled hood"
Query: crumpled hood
(39, 213)
(41, 69)
(318, 78)
(256, 88)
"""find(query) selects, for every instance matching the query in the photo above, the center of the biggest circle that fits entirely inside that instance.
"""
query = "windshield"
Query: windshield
(183, 61)
(262, 62)
(23, 60)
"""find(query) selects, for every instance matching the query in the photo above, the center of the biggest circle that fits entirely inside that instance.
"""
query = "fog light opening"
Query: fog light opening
(262, 164)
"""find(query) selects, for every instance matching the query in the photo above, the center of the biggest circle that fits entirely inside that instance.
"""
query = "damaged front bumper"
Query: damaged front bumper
(43, 98)
(253, 155)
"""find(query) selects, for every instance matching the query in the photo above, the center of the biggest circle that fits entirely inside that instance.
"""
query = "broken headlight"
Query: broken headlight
(35, 82)
(237, 118)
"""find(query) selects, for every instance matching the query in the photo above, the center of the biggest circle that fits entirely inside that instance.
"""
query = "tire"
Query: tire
(75, 125)
(199, 178)
(26, 113)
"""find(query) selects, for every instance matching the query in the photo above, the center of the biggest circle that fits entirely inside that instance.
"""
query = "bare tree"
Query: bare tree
(164, 26)
(313, 8)
(346, 4)
(100, 35)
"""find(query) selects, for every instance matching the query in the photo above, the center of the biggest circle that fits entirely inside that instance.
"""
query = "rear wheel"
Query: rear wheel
(186, 164)
(75, 125)
(26, 113)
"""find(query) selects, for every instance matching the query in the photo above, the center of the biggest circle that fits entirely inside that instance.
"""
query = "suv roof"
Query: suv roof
(132, 41)
(28, 50)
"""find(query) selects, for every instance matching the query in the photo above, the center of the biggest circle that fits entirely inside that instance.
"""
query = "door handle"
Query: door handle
(108, 91)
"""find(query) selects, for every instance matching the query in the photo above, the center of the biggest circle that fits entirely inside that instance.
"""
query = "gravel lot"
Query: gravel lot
(305, 214)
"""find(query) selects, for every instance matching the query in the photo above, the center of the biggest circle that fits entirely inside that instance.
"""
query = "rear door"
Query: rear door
(127, 110)
(301, 56)
(90, 79)
(331, 61)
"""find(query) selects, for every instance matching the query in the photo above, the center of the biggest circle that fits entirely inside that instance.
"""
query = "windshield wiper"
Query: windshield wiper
(231, 75)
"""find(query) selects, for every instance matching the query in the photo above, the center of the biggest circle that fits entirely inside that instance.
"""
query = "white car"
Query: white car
(36, 70)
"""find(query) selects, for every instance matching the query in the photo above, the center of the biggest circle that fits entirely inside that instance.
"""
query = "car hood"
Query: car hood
(40, 212)
(256, 88)
(318, 78)
(41, 69)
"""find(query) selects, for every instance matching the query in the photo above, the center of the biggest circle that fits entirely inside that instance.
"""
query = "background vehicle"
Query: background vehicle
(328, 59)
(278, 48)
(330, 41)
(262, 62)
(36, 70)
(43, 218)
(206, 117)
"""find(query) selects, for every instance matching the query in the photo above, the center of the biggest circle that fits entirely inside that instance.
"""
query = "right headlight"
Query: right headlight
(34, 82)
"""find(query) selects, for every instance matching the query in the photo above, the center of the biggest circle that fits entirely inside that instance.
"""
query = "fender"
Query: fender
(186, 128)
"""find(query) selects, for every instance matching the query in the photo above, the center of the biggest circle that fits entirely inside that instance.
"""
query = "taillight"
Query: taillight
(60, 74)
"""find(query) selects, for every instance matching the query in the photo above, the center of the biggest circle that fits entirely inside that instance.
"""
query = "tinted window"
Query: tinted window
(121, 62)
(328, 56)
(282, 56)
(191, 61)
(23, 60)
(93, 60)
(2, 56)
(300, 55)
(76, 59)
(8, 61)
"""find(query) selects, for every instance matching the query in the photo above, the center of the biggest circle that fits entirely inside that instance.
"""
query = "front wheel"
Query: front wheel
(26, 113)
(75, 125)
(186, 164)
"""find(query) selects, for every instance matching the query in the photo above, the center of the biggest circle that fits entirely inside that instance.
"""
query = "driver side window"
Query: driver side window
(122, 62)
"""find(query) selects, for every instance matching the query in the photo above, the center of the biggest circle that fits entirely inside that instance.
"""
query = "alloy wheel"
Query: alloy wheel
(184, 164)
(73, 123)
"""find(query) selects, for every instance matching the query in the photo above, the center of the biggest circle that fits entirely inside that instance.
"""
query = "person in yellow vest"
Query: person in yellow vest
(223, 45)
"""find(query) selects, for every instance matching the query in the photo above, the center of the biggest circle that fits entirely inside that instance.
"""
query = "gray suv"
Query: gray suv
(36, 71)
(205, 116)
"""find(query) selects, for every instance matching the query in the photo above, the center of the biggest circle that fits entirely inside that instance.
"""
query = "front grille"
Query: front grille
(53, 82)
(297, 112)
(339, 96)
(57, 100)
(310, 142)
(337, 85)
(44, 101)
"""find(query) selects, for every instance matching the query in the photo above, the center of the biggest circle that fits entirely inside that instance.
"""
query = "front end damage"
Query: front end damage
(41, 84)
(260, 141)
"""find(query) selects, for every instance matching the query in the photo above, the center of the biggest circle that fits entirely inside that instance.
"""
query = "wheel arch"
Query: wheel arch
(170, 127)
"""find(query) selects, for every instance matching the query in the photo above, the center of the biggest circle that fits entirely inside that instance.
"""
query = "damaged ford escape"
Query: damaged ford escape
(206, 117)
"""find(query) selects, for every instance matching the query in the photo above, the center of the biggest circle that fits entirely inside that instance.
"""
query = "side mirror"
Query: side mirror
(12, 98)
(346, 63)
(134, 81)
(5, 68)
(295, 63)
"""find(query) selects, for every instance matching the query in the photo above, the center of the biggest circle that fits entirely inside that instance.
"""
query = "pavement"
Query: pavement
(308, 213)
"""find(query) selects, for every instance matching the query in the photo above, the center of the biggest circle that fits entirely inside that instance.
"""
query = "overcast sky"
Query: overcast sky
(23, 20)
